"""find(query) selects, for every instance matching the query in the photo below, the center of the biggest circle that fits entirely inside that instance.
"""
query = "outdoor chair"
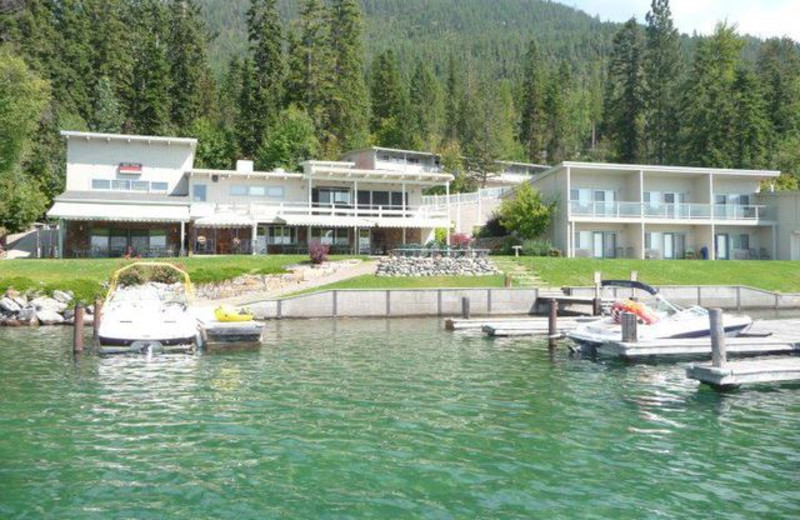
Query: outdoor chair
(763, 255)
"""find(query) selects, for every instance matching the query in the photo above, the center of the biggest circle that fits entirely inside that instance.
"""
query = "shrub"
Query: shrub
(554, 252)
(536, 248)
(440, 236)
(507, 248)
(318, 253)
(492, 228)
(526, 214)
(460, 240)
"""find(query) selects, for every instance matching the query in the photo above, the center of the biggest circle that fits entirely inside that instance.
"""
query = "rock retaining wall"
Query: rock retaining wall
(17, 309)
(414, 266)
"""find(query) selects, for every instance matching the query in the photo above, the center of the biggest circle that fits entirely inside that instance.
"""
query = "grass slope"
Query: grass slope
(770, 275)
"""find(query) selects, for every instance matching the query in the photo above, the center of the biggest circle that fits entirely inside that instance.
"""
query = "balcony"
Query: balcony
(682, 211)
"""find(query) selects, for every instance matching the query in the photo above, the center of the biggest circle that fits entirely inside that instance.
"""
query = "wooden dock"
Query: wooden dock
(533, 322)
(733, 374)
(219, 335)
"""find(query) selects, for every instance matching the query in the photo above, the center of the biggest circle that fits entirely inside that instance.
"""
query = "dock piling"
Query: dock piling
(465, 308)
(98, 309)
(552, 324)
(597, 302)
(77, 343)
(630, 334)
(719, 355)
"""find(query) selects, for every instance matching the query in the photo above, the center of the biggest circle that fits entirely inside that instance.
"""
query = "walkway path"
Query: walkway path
(360, 269)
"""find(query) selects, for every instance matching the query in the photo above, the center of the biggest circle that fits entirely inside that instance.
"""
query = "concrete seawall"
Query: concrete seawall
(382, 303)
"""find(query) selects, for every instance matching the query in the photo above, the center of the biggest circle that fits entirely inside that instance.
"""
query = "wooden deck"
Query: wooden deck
(747, 372)
(533, 322)
(224, 336)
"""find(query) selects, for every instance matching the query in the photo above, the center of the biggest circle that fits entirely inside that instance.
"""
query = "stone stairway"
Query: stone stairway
(521, 276)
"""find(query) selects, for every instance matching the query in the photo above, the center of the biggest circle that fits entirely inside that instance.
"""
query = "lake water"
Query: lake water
(379, 419)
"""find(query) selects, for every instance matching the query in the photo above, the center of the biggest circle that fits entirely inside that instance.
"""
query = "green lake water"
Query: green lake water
(379, 419)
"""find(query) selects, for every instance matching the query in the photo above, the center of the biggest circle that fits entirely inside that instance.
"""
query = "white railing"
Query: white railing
(681, 211)
(440, 201)
(277, 209)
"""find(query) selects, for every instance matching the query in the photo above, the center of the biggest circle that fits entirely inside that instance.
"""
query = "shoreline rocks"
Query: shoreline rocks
(19, 310)
(444, 266)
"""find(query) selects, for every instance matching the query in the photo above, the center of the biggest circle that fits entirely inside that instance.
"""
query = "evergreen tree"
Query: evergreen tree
(188, 64)
(426, 108)
(107, 116)
(779, 70)
(291, 142)
(532, 131)
(751, 127)
(452, 100)
(348, 105)
(310, 75)
(555, 109)
(150, 106)
(74, 82)
(663, 68)
(248, 119)
(709, 109)
(623, 103)
(112, 41)
(216, 147)
(387, 90)
(265, 36)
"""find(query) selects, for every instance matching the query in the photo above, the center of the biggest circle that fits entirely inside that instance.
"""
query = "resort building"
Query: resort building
(659, 212)
(142, 195)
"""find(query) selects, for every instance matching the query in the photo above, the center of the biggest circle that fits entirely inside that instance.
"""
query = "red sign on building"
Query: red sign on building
(130, 168)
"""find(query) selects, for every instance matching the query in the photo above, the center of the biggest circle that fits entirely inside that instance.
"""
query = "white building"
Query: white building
(142, 195)
(659, 212)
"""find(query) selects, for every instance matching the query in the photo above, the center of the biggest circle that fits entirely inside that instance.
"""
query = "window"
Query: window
(331, 237)
(276, 192)
(140, 185)
(121, 184)
(257, 191)
(327, 196)
(101, 184)
(364, 198)
(199, 192)
(397, 198)
(380, 198)
(159, 186)
(119, 241)
(158, 238)
(741, 241)
(99, 241)
(238, 190)
(281, 235)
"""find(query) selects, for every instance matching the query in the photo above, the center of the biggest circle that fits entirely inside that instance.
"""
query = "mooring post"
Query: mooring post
(597, 303)
(77, 344)
(507, 281)
(719, 355)
(630, 333)
(98, 309)
(465, 308)
(552, 323)
(634, 277)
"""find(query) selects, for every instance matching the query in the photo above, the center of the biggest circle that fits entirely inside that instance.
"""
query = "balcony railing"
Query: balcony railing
(368, 211)
(681, 211)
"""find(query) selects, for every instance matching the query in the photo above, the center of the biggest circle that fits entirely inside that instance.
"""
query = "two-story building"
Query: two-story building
(142, 195)
(658, 212)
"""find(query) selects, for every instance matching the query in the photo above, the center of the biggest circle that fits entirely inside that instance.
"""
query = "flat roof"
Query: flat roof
(655, 168)
(391, 150)
(128, 138)
(237, 173)
(122, 197)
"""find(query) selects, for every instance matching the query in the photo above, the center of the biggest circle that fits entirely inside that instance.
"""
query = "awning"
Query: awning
(225, 220)
(139, 212)
(324, 221)
(415, 223)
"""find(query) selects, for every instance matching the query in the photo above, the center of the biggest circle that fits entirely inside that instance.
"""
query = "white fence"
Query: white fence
(439, 202)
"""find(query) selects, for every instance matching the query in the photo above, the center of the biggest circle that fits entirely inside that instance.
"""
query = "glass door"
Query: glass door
(597, 249)
(722, 246)
(364, 242)
(669, 246)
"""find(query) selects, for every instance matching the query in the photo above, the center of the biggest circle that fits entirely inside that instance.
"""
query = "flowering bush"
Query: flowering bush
(460, 240)
(318, 253)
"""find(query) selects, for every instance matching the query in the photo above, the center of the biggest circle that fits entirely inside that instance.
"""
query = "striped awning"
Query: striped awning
(140, 212)
(225, 220)
(413, 223)
(324, 221)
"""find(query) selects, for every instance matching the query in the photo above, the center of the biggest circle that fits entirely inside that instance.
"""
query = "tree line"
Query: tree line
(303, 90)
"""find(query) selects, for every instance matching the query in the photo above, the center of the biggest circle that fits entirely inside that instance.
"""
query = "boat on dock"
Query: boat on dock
(664, 320)
(151, 317)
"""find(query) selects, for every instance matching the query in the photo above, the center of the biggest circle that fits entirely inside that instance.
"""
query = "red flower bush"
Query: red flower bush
(318, 253)
(460, 240)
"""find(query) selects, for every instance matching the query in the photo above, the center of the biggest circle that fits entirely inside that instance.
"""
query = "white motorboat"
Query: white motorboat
(664, 320)
(150, 317)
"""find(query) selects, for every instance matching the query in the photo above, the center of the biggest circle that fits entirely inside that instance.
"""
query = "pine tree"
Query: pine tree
(452, 100)
(709, 111)
(112, 41)
(348, 104)
(248, 120)
(389, 103)
(779, 70)
(623, 103)
(555, 109)
(426, 107)
(663, 69)
(533, 125)
(751, 126)
(150, 106)
(75, 82)
(107, 116)
(265, 36)
(188, 65)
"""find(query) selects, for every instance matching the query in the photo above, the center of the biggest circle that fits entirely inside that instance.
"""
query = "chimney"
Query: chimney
(244, 166)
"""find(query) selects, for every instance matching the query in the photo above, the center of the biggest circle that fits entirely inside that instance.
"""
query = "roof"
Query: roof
(528, 165)
(129, 138)
(236, 173)
(391, 150)
(324, 221)
(122, 197)
(119, 213)
(342, 172)
(656, 168)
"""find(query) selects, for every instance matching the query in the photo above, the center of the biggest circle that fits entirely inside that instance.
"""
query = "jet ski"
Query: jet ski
(663, 320)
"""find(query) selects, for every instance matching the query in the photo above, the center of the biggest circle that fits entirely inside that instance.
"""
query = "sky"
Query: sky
(763, 18)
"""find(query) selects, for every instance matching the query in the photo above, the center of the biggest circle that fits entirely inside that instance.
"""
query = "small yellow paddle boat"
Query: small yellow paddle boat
(227, 313)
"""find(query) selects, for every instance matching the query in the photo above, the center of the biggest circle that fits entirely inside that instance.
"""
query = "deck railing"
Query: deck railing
(278, 209)
(680, 211)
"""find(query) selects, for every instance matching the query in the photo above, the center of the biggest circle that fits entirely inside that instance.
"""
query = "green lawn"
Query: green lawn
(370, 281)
(770, 275)
(85, 276)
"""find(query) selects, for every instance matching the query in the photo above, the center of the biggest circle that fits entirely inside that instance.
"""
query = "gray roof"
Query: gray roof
(122, 196)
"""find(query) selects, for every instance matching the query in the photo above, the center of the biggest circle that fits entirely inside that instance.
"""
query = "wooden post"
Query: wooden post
(634, 277)
(77, 344)
(98, 309)
(465, 308)
(719, 355)
(552, 324)
(630, 333)
(507, 281)
(597, 302)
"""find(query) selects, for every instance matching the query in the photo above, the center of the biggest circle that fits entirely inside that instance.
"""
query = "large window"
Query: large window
(158, 238)
(99, 241)
(328, 196)
(331, 237)
(199, 192)
(281, 235)
(598, 244)
(129, 185)
(101, 184)
(238, 190)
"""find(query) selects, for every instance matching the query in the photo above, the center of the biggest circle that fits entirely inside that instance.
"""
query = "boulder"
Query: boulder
(49, 317)
(9, 306)
(48, 304)
(20, 300)
(62, 296)
(26, 315)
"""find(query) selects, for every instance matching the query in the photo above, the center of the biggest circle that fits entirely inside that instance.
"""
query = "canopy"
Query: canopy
(413, 223)
(325, 221)
(225, 220)
(139, 212)
(630, 284)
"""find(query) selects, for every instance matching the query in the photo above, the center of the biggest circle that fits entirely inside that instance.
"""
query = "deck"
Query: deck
(737, 373)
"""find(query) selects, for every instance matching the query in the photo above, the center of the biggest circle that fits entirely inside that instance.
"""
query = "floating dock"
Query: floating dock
(733, 374)
(533, 323)
(218, 335)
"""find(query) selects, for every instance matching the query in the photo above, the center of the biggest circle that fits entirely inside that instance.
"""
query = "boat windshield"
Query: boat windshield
(150, 293)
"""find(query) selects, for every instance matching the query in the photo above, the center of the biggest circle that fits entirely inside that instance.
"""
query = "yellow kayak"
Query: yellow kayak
(228, 313)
